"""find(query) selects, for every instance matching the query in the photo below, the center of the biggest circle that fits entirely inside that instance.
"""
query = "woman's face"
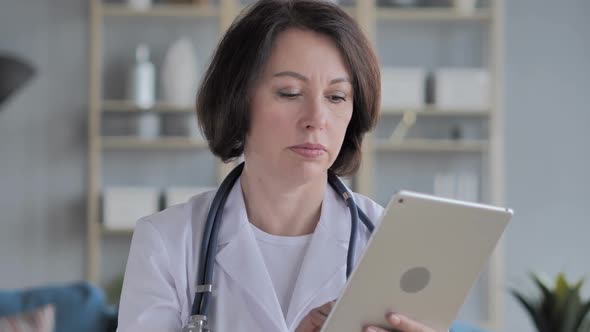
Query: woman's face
(300, 107)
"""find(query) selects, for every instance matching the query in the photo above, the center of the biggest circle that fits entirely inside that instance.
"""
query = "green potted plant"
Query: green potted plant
(558, 307)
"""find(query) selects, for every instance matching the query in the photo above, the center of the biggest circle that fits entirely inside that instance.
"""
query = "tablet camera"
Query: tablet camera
(415, 280)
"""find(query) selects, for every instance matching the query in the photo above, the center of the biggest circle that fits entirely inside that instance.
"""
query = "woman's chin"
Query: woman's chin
(306, 170)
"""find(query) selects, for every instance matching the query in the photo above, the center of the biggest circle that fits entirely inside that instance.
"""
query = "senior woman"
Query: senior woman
(293, 87)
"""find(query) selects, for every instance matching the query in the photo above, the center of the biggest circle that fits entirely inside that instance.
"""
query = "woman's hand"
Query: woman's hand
(315, 319)
(400, 323)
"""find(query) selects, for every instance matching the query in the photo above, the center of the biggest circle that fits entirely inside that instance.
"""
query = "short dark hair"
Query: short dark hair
(223, 101)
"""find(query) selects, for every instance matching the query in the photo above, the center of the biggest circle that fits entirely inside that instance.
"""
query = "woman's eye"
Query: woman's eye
(289, 95)
(337, 99)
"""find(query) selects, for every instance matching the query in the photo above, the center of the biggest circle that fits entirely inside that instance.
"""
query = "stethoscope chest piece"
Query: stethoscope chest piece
(196, 324)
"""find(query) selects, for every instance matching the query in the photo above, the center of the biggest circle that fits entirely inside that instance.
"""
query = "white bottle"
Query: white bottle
(142, 91)
(142, 79)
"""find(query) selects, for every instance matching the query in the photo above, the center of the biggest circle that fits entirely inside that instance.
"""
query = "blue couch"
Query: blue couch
(79, 307)
(82, 307)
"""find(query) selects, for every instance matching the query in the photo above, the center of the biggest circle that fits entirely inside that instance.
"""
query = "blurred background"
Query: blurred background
(483, 100)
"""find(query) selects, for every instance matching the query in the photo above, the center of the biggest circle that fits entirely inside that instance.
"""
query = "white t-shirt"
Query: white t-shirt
(283, 256)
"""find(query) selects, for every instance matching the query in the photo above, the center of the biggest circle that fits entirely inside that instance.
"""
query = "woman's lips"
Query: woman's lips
(309, 150)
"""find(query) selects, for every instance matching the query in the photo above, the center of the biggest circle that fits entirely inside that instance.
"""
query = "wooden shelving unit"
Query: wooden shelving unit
(122, 232)
(490, 149)
(434, 112)
(369, 16)
(127, 106)
(432, 145)
(159, 10)
(98, 107)
(431, 14)
(161, 143)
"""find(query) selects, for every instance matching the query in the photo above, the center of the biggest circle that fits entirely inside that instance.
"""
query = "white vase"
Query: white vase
(179, 76)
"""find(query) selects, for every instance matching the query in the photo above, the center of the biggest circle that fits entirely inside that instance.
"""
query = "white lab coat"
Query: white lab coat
(161, 271)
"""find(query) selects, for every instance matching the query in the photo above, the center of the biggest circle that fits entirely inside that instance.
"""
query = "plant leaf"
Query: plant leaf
(548, 302)
(579, 284)
(585, 325)
(567, 300)
(583, 314)
(542, 285)
(538, 318)
(561, 286)
(568, 317)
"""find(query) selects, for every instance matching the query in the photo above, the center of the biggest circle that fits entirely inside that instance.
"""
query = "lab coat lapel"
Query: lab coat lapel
(325, 259)
(241, 259)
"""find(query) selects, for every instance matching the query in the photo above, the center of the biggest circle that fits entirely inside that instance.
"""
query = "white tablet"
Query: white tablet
(422, 260)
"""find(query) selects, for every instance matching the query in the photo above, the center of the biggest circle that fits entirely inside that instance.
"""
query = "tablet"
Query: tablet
(422, 260)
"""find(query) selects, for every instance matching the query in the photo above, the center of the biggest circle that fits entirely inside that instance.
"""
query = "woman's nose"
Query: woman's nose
(314, 114)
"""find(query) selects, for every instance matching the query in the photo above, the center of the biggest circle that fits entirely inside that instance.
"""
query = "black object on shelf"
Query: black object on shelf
(14, 73)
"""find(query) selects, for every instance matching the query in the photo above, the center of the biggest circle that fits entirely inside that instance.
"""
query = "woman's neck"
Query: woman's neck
(280, 207)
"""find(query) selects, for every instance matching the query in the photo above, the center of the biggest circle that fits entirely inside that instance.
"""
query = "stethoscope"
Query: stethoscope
(198, 318)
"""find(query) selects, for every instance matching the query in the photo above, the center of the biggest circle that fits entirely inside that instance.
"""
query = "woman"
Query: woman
(293, 86)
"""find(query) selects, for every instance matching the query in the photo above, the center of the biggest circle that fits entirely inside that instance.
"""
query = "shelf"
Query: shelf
(432, 145)
(371, 18)
(160, 143)
(351, 10)
(431, 14)
(125, 106)
(434, 112)
(161, 10)
(108, 231)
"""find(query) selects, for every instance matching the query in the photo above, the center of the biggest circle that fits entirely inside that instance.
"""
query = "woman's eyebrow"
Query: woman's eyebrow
(305, 79)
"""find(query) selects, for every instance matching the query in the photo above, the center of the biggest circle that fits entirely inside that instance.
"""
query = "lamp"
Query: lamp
(14, 73)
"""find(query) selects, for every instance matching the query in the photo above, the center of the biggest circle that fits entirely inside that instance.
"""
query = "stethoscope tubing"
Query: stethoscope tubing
(213, 222)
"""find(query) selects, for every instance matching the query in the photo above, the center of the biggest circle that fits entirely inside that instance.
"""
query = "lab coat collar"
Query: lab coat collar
(234, 217)
(241, 259)
(325, 258)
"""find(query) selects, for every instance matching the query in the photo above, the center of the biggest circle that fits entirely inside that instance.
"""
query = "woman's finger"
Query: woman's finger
(317, 318)
(400, 323)
(327, 308)
(319, 315)
(374, 329)
(405, 324)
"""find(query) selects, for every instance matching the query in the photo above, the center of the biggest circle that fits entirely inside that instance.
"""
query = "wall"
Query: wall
(547, 137)
(43, 143)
